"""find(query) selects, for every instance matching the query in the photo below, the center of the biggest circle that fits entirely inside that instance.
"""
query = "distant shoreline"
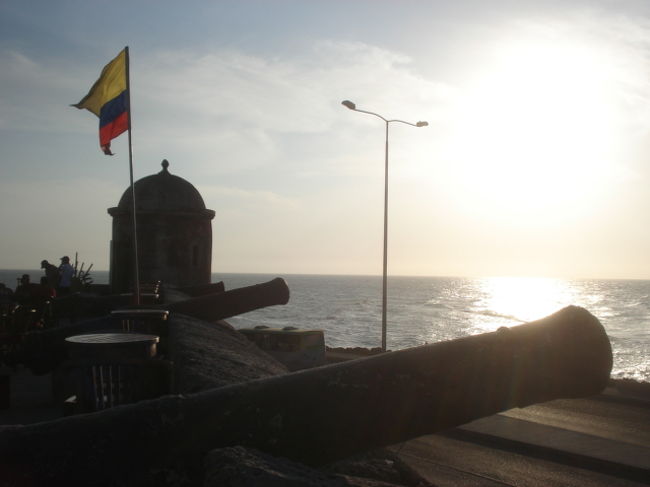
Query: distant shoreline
(217, 274)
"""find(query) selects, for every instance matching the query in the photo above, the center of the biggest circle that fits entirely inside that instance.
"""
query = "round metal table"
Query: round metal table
(107, 346)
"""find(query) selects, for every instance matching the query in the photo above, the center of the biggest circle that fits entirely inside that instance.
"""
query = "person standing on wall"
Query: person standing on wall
(65, 280)
(51, 272)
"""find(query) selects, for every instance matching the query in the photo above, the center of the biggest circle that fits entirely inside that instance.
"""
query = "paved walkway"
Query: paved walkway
(603, 440)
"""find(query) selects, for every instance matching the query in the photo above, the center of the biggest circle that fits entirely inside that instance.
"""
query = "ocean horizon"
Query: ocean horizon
(424, 310)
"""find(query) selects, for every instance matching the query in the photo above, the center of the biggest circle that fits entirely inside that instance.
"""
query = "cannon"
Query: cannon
(210, 300)
(220, 306)
(319, 415)
(42, 351)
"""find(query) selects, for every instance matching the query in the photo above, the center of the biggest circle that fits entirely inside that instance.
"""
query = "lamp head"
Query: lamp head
(348, 104)
(422, 124)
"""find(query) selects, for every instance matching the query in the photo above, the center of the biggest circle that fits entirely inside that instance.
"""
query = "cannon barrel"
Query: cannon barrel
(209, 301)
(323, 414)
(203, 289)
(219, 306)
(43, 351)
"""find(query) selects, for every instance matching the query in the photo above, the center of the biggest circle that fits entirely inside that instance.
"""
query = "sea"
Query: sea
(423, 310)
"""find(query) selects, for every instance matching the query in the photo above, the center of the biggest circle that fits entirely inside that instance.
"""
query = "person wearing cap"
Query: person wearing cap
(51, 272)
(65, 280)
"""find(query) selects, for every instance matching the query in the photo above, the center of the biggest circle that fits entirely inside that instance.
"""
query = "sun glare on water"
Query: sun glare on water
(520, 299)
(537, 127)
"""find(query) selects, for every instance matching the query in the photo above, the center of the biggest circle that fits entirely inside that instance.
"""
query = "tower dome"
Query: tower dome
(163, 192)
(174, 233)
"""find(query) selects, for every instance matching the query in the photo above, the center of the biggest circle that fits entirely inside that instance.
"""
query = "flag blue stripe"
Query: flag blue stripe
(113, 109)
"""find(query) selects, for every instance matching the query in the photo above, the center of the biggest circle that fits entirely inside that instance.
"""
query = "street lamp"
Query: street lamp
(352, 106)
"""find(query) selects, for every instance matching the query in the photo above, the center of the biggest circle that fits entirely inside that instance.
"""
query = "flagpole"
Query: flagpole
(136, 276)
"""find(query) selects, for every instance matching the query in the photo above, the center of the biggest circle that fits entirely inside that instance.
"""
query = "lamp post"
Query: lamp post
(352, 106)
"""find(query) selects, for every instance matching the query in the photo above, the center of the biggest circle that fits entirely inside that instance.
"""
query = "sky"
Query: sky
(534, 161)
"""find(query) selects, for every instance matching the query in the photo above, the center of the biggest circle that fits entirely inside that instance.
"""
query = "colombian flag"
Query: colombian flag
(109, 100)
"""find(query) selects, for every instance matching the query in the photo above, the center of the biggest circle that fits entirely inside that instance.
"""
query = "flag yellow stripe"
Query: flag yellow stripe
(110, 84)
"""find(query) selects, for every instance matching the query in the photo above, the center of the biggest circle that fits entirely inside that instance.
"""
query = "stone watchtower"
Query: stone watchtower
(174, 234)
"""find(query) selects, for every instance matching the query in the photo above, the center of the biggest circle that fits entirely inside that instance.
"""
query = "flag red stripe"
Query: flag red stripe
(113, 129)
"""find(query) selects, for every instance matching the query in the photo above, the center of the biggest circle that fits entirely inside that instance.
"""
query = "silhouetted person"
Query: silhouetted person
(6, 299)
(26, 292)
(65, 276)
(45, 291)
(51, 272)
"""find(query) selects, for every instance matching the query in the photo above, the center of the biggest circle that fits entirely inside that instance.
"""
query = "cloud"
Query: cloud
(246, 200)
(285, 94)
(36, 94)
(229, 104)
(223, 101)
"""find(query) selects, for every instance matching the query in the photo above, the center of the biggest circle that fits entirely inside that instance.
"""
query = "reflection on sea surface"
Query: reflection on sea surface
(519, 299)
(432, 309)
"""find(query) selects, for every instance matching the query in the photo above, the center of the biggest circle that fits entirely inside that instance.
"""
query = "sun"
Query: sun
(536, 129)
